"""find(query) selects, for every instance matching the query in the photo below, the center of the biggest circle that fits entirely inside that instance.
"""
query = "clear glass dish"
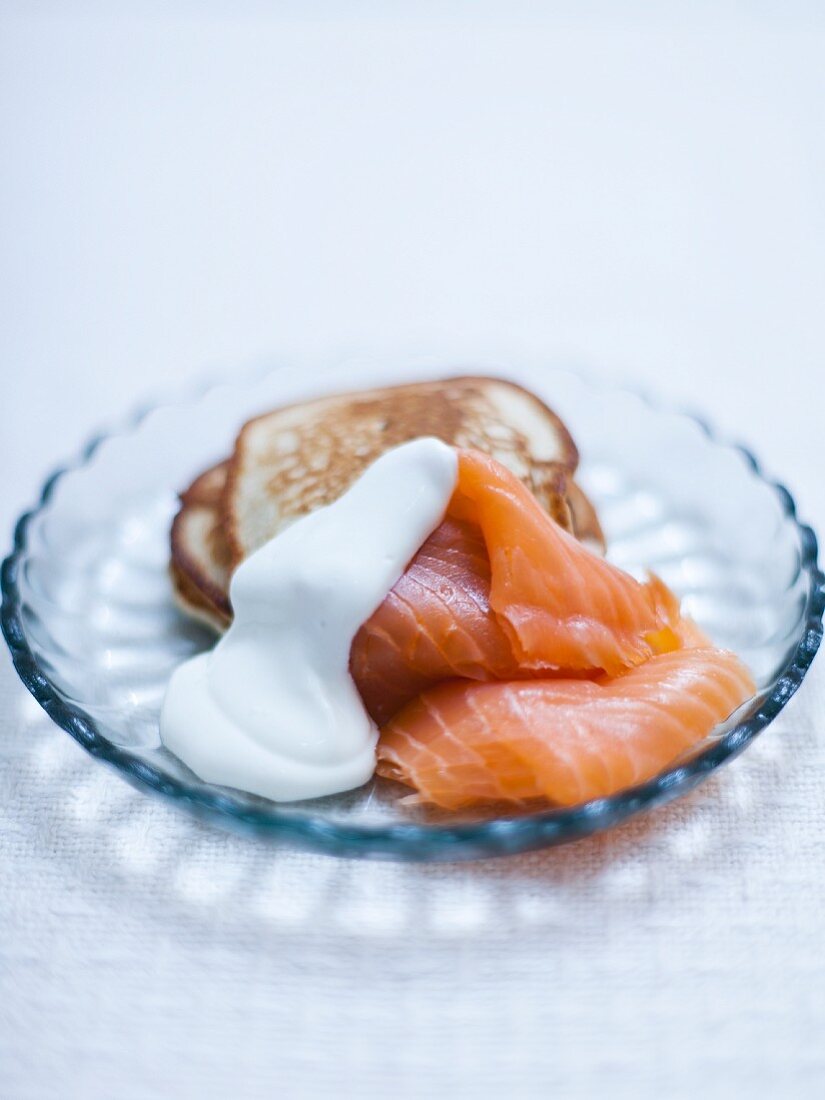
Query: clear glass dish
(94, 634)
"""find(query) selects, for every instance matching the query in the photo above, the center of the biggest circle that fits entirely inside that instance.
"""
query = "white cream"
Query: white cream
(272, 709)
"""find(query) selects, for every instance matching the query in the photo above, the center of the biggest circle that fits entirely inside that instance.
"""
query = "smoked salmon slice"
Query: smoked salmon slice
(563, 741)
(501, 591)
(561, 605)
(434, 625)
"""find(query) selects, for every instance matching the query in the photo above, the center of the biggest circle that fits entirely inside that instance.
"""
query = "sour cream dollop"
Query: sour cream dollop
(272, 709)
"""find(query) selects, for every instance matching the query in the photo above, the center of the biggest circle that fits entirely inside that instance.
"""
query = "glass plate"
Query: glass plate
(94, 633)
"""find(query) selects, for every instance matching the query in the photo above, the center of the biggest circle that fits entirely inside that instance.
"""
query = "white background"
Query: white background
(189, 187)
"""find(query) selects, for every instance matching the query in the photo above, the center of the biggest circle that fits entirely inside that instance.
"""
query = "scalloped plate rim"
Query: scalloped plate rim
(414, 841)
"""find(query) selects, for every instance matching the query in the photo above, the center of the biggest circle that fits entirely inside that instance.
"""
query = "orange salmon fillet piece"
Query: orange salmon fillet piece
(564, 741)
(561, 605)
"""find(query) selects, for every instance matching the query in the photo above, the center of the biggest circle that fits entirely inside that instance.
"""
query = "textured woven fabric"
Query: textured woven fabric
(143, 952)
(208, 181)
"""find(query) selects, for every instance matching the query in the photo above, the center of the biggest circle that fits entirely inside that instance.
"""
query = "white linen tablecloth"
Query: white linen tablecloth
(199, 184)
